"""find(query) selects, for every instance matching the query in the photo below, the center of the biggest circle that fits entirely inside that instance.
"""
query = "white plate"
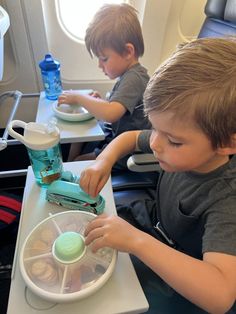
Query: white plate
(71, 112)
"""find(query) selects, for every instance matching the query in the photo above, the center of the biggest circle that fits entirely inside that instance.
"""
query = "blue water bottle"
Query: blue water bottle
(50, 70)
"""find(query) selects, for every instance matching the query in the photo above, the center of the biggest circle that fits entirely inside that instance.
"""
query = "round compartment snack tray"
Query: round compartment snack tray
(48, 271)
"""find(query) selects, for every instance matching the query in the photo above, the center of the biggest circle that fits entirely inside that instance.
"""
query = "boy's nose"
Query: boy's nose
(156, 143)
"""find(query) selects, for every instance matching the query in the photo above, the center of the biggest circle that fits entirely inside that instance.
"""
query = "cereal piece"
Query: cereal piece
(48, 236)
(40, 247)
(44, 271)
(38, 268)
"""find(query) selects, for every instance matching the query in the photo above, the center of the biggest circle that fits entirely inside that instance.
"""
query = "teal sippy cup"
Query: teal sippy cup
(42, 143)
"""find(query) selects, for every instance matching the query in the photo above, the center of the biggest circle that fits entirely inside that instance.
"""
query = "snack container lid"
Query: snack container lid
(56, 264)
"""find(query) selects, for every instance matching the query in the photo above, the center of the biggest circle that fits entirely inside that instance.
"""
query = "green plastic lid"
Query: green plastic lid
(69, 247)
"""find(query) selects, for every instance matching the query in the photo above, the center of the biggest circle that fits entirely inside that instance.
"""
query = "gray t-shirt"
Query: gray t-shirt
(197, 211)
(128, 91)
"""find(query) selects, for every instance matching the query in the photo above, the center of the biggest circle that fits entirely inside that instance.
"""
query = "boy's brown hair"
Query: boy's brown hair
(113, 26)
(199, 82)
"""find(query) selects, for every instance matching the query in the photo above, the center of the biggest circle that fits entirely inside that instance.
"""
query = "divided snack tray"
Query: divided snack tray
(56, 264)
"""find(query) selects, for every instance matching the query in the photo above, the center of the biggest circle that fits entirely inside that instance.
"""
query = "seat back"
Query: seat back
(220, 19)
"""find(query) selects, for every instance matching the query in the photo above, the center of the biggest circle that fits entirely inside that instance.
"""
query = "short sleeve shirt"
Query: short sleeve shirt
(128, 91)
(197, 211)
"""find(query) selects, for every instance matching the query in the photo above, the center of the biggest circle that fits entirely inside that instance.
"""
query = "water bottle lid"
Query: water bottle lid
(49, 64)
(39, 136)
(36, 136)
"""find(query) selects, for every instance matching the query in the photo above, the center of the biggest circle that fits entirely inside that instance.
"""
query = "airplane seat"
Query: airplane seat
(220, 19)
(129, 185)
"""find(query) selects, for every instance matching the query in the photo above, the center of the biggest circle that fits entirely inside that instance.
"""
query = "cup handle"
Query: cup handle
(16, 123)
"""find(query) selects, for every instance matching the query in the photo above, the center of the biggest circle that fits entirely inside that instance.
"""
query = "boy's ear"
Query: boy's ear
(129, 50)
(234, 142)
(230, 149)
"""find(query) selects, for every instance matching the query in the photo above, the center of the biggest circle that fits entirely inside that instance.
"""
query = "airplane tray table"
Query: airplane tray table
(71, 132)
(122, 292)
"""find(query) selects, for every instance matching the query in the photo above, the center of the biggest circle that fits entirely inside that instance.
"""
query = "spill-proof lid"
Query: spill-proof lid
(57, 265)
(49, 64)
(36, 136)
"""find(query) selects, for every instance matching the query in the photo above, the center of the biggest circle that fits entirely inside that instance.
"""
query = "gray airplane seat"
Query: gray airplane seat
(135, 182)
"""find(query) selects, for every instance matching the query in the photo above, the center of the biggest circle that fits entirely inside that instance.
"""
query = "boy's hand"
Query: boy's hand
(95, 94)
(111, 231)
(70, 98)
(93, 179)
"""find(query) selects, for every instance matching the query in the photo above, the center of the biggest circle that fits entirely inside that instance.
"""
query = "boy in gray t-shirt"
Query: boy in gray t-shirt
(188, 236)
(117, 43)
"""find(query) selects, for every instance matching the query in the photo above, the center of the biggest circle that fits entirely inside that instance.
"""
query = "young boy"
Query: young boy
(114, 36)
(189, 238)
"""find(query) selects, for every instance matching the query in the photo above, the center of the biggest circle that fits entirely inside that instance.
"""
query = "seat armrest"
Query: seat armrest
(143, 163)
(142, 173)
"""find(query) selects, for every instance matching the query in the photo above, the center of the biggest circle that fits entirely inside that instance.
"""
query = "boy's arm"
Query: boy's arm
(209, 283)
(94, 177)
(99, 108)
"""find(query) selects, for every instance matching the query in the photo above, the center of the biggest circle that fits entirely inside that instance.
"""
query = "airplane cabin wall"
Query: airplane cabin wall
(165, 24)
(19, 68)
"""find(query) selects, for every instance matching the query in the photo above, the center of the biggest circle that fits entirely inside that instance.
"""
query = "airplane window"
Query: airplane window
(75, 16)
